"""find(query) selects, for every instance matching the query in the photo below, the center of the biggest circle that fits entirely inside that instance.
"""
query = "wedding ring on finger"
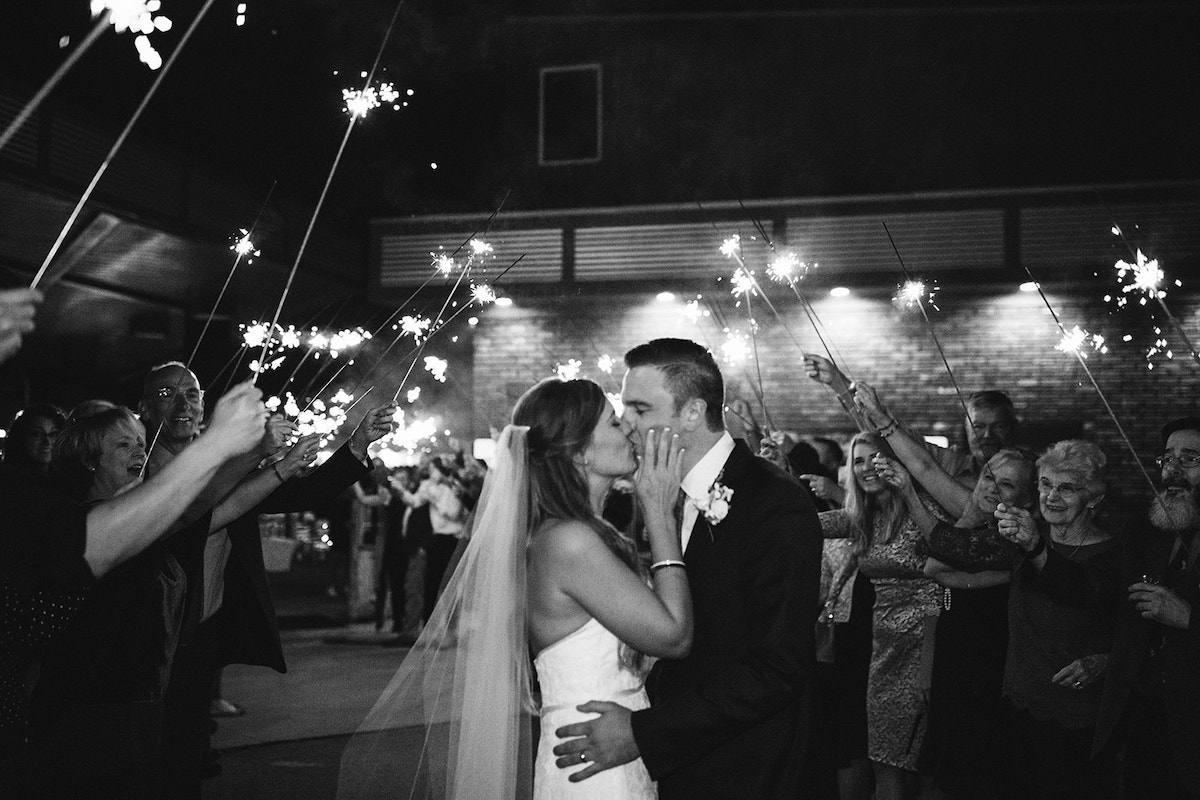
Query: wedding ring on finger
(1078, 684)
(583, 757)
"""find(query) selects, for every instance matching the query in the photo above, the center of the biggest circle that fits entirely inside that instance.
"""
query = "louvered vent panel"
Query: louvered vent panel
(1083, 235)
(22, 148)
(645, 252)
(405, 260)
(927, 241)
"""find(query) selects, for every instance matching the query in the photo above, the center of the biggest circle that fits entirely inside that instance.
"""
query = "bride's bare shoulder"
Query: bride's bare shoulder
(563, 538)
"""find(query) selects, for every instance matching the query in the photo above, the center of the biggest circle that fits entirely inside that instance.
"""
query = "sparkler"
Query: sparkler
(62, 235)
(605, 364)
(436, 367)
(570, 370)
(1074, 340)
(332, 171)
(1082, 359)
(744, 287)
(917, 291)
(914, 294)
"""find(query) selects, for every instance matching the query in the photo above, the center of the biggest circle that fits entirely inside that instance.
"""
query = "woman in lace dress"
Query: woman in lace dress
(904, 618)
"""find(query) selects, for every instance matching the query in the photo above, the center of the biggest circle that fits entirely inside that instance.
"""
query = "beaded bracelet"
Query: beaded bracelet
(657, 565)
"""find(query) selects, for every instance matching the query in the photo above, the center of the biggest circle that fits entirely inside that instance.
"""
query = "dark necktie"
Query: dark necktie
(680, 502)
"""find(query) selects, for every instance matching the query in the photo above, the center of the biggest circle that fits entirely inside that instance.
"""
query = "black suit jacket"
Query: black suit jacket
(245, 630)
(731, 719)
(1147, 551)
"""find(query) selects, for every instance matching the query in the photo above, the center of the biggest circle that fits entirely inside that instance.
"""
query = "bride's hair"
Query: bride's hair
(562, 416)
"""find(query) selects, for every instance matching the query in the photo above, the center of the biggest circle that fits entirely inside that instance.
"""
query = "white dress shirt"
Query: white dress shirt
(698, 482)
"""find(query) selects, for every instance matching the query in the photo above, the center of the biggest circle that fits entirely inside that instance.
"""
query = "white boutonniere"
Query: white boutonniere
(715, 505)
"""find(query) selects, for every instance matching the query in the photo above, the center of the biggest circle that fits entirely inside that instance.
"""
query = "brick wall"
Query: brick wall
(992, 340)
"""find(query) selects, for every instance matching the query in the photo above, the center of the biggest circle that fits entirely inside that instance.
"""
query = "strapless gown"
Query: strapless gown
(585, 665)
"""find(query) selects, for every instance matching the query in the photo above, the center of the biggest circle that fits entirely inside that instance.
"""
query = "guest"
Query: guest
(447, 516)
(1058, 652)
(393, 552)
(98, 705)
(963, 753)
(52, 550)
(843, 667)
(904, 619)
(832, 457)
(30, 440)
(229, 615)
(1151, 694)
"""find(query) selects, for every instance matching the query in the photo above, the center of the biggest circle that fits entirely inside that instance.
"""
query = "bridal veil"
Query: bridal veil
(455, 722)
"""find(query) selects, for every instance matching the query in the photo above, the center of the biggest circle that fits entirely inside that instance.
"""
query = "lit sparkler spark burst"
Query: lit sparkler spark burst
(784, 266)
(289, 339)
(1073, 342)
(914, 294)
(483, 294)
(414, 326)
(732, 247)
(396, 448)
(743, 283)
(570, 370)
(736, 348)
(1160, 346)
(605, 364)
(443, 263)
(136, 16)
(359, 102)
(413, 394)
(480, 248)
(255, 334)
(346, 339)
(692, 311)
(244, 247)
(437, 368)
(1144, 277)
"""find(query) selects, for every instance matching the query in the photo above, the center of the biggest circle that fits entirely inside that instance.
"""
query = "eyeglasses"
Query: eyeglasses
(168, 392)
(1064, 489)
(1186, 461)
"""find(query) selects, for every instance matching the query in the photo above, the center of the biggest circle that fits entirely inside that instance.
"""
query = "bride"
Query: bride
(542, 574)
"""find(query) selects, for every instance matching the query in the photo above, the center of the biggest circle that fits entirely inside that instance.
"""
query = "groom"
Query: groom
(730, 719)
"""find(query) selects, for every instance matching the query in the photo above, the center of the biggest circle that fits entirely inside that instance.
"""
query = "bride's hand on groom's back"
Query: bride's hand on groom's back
(659, 474)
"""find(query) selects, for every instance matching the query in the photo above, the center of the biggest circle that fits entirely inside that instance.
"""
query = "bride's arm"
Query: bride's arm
(657, 620)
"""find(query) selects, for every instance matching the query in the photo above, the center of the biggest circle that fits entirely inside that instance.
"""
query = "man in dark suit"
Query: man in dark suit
(230, 616)
(1152, 690)
(730, 719)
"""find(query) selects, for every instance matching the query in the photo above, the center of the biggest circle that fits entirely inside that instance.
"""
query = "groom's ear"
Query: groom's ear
(693, 414)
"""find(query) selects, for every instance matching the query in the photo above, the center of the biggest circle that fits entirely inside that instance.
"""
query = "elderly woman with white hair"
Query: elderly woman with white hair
(1060, 636)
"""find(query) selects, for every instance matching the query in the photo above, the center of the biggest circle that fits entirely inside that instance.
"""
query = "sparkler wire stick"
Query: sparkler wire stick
(66, 229)
(425, 342)
(762, 388)
(1083, 363)
(929, 325)
(325, 189)
(54, 80)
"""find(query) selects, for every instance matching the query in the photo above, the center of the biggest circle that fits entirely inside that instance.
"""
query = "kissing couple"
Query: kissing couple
(724, 609)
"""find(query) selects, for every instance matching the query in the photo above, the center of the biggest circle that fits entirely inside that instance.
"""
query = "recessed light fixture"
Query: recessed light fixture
(839, 291)
(1028, 286)
(504, 302)
(665, 297)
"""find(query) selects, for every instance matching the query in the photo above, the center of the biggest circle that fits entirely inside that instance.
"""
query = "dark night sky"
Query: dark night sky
(1079, 93)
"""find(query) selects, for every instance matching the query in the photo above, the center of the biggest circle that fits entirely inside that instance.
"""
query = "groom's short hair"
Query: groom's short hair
(689, 372)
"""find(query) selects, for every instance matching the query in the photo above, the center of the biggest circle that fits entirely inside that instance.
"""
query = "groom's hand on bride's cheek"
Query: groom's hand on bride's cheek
(601, 743)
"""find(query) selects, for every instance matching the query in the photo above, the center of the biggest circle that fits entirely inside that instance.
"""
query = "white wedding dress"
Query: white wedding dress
(585, 665)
